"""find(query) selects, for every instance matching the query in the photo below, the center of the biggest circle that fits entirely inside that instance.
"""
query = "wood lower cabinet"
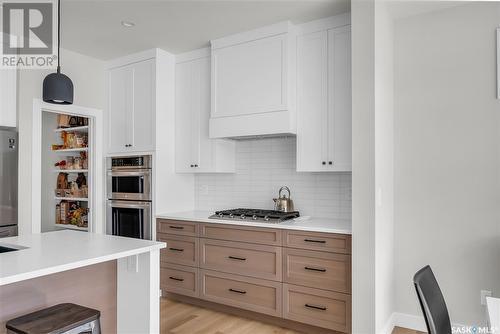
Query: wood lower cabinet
(257, 261)
(179, 279)
(296, 275)
(328, 271)
(317, 307)
(244, 292)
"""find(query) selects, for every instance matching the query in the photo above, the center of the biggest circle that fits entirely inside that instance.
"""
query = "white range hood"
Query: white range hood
(253, 83)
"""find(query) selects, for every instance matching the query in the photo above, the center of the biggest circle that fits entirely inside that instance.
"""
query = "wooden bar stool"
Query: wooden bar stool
(58, 319)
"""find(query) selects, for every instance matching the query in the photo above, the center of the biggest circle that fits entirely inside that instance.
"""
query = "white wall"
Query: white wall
(363, 163)
(384, 167)
(447, 162)
(88, 79)
(262, 167)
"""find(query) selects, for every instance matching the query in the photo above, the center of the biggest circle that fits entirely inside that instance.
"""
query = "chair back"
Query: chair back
(432, 302)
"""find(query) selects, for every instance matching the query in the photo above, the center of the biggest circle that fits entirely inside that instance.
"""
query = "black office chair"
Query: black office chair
(432, 302)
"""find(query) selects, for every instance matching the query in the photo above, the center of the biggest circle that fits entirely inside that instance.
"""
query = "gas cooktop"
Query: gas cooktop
(256, 215)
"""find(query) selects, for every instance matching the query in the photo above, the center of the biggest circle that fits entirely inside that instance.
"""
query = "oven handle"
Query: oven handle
(129, 205)
(130, 173)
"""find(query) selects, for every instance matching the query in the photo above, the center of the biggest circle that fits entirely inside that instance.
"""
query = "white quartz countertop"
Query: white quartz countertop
(312, 224)
(52, 252)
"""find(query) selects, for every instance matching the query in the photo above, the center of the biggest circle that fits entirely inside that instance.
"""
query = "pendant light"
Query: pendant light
(57, 87)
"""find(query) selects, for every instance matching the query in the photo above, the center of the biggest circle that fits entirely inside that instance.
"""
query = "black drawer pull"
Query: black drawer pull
(238, 291)
(176, 227)
(315, 269)
(176, 249)
(176, 279)
(236, 258)
(321, 308)
(316, 241)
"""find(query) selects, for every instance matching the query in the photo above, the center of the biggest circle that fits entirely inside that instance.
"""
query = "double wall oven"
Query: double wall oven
(129, 186)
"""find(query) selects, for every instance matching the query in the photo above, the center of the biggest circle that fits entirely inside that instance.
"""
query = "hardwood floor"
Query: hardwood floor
(179, 318)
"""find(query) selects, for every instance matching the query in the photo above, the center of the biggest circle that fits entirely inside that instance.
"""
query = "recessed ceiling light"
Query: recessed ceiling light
(128, 24)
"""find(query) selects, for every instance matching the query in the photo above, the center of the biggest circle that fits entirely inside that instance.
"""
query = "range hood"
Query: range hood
(253, 83)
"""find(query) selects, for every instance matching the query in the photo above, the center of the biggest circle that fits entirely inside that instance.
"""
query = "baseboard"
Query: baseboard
(409, 321)
(389, 326)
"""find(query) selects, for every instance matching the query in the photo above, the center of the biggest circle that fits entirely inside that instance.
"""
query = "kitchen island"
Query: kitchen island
(46, 265)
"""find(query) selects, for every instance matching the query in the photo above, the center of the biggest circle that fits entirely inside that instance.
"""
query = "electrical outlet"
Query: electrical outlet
(484, 294)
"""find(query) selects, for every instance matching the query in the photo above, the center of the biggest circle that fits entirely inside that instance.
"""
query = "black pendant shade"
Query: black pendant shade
(57, 87)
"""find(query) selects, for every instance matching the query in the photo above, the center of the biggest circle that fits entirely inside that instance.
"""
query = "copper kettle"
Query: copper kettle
(283, 203)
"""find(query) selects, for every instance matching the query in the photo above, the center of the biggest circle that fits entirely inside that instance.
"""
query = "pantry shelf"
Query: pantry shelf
(82, 149)
(70, 170)
(72, 227)
(84, 128)
(74, 199)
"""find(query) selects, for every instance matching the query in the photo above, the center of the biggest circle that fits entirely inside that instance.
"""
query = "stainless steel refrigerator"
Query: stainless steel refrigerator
(8, 183)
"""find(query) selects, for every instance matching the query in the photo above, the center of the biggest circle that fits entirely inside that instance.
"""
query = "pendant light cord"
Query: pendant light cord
(58, 36)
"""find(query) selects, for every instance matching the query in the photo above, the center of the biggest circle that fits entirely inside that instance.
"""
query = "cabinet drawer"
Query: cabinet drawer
(180, 249)
(254, 235)
(327, 242)
(179, 279)
(258, 261)
(318, 269)
(178, 227)
(243, 292)
(317, 307)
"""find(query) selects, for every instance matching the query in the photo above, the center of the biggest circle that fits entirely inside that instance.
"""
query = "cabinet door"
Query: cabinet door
(120, 86)
(339, 99)
(312, 95)
(185, 100)
(205, 147)
(143, 131)
(250, 78)
(8, 111)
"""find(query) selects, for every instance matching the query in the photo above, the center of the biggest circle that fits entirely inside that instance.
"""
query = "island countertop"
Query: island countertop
(52, 252)
(311, 224)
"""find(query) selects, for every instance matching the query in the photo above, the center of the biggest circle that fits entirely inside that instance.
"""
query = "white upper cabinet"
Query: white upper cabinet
(195, 152)
(131, 99)
(253, 83)
(324, 127)
(8, 105)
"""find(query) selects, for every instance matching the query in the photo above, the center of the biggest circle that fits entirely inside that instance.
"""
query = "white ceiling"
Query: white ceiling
(94, 27)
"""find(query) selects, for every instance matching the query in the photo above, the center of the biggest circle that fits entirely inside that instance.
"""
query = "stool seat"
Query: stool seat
(56, 319)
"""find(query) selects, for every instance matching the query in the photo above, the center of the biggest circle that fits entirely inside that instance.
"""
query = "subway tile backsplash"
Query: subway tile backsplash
(262, 167)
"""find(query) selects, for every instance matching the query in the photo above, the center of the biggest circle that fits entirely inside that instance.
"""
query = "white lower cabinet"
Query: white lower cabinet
(324, 101)
(195, 152)
(8, 110)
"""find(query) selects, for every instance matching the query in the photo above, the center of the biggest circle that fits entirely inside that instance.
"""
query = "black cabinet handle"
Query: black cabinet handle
(238, 291)
(176, 249)
(177, 279)
(176, 227)
(315, 269)
(323, 163)
(192, 166)
(316, 241)
(237, 258)
(330, 162)
(321, 308)
(196, 165)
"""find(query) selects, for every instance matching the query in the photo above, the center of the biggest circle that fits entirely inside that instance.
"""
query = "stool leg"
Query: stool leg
(96, 326)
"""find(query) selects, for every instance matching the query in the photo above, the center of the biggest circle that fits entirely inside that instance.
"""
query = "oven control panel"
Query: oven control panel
(129, 162)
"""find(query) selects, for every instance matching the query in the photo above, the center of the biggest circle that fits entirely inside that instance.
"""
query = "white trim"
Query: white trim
(192, 55)
(97, 195)
(324, 24)
(389, 326)
(252, 35)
